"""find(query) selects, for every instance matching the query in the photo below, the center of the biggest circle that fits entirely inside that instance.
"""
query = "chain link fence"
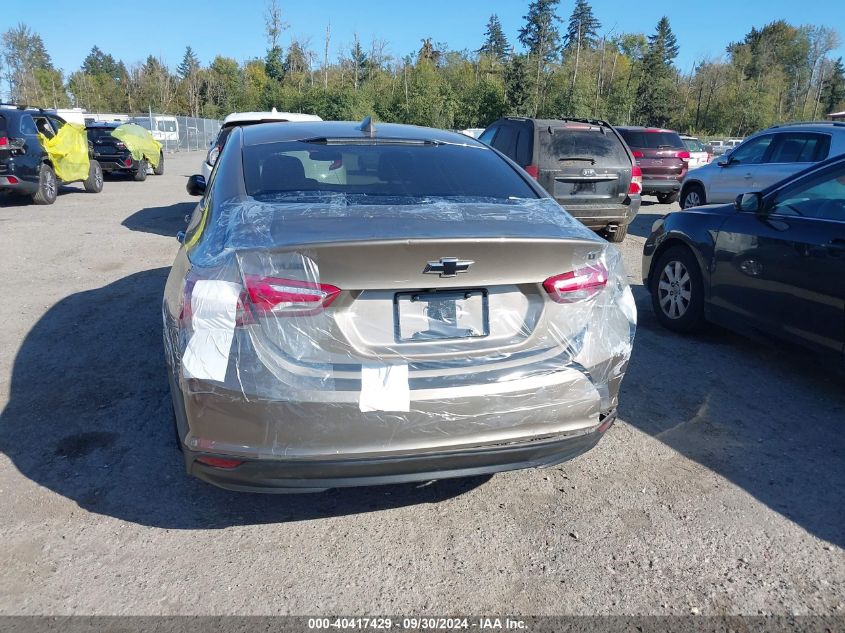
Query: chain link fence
(179, 133)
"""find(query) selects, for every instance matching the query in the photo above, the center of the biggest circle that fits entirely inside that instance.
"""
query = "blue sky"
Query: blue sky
(236, 29)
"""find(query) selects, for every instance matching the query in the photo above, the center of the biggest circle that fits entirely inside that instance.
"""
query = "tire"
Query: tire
(693, 197)
(140, 175)
(159, 171)
(618, 236)
(48, 186)
(667, 198)
(94, 182)
(679, 303)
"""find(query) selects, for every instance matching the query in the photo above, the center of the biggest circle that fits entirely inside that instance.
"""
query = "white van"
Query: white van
(165, 129)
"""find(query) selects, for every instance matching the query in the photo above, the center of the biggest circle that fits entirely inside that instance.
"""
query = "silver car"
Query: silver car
(421, 310)
(761, 160)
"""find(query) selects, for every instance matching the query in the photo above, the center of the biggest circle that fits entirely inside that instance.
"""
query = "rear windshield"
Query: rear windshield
(652, 140)
(693, 144)
(379, 170)
(95, 133)
(559, 146)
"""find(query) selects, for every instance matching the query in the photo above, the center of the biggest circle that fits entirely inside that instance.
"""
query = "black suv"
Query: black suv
(25, 168)
(583, 163)
(113, 155)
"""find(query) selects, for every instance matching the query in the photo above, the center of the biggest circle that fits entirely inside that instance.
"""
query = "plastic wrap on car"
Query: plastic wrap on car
(322, 381)
(68, 152)
(139, 142)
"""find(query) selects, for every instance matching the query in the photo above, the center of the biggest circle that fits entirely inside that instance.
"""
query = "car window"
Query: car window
(505, 141)
(57, 123)
(375, 174)
(693, 144)
(28, 125)
(42, 125)
(652, 140)
(821, 197)
(800, 147)
(488, 134)
(579, 141)
(523, 145)
(166, 126)
(753, 152)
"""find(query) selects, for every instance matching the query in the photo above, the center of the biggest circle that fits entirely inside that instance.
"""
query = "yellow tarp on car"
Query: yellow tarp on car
(139, 142)
(68, 151)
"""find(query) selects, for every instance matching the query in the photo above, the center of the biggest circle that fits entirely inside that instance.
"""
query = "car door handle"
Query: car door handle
(747, 176)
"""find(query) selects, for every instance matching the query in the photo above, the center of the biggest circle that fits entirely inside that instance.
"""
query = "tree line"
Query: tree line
(554, 68)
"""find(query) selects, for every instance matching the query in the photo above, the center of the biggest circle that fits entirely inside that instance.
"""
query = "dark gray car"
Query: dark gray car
(583, 163)
(355, 305)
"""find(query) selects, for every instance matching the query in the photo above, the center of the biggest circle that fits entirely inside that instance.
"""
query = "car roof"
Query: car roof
(254, 117)
(296, 131)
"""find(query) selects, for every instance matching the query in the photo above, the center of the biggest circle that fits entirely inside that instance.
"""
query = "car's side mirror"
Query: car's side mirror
(749, 202)
(196, 185)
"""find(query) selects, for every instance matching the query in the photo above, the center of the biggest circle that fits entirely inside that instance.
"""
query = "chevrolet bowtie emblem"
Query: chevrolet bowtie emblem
(448, 266)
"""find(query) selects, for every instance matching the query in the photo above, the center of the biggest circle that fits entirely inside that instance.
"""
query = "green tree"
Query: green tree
(833, 88)
(583, 27)
(541, 37)
(274, 64)
(30, 73)
(518, 86)
(495, 45)
(657, 84)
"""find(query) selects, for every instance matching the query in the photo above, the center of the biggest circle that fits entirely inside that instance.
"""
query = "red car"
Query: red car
(662, 157)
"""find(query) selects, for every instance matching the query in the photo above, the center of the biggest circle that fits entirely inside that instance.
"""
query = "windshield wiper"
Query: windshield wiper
(586, 159)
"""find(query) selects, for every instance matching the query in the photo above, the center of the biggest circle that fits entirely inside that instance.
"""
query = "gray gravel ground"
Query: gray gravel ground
(720, 491)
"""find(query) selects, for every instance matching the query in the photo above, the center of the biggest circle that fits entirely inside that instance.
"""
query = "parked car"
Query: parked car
(698, 153)
(772, 263)
(762, 160)
(242, 119)
(26, 167)
(115, 157)
(164, 128)
(662, 157)
(583, 163)
(434, 315)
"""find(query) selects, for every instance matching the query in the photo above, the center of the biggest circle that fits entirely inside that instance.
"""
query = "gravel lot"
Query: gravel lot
(719, 492)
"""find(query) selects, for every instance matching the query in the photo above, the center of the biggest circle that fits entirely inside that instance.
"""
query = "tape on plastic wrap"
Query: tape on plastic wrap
(214, 306)
(385, 388)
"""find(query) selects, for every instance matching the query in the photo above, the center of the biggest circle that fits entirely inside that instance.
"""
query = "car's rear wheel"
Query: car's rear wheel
(48, 186)
(693, 197)
(618, 236)
(159, 171)
(140, 174)
(94, 182)
(667, 198)
(677, 292)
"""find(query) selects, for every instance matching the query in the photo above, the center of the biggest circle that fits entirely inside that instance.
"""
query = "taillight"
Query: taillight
(637, 153)
(533, 171)
(683, 155)
(636, 185)
(577, 285)
(219, 462)
(128, 162)
(4, 141)
(7, 142)
(709, 157)
(288, 297)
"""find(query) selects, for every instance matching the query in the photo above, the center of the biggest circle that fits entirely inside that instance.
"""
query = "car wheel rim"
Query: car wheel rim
(98, 178)
(674, 290)
(49, 186)
(692, 199)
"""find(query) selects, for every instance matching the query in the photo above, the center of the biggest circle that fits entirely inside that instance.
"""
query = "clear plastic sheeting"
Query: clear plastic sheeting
(318, 325)
(68, 152)
(139, 142)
